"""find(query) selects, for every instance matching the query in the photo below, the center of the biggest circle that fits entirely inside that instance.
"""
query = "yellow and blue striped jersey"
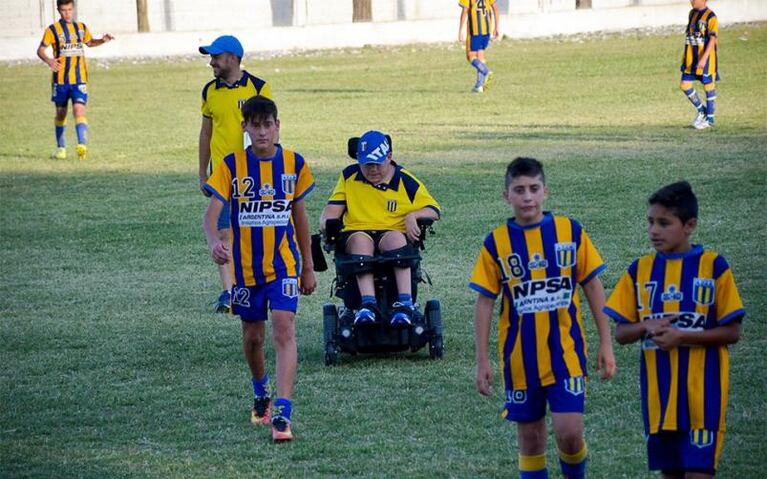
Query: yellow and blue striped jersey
(222, 103)
(262, 192)
(379, 207)
(685, 388)
(701, 26)
(480, 16)
(541, 336)
(68, 41)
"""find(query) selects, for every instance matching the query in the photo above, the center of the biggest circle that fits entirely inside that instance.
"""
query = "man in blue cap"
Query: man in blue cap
(221, 131)
(380, 203)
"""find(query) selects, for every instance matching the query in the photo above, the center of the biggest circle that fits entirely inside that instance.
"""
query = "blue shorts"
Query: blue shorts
(529, 405)
(224, 221)
(691, 451)
(254, 303)
(705, 79)
(60, 94)
(478, 42)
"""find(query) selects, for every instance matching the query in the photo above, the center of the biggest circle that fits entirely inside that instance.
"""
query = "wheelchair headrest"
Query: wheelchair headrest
(351, 145)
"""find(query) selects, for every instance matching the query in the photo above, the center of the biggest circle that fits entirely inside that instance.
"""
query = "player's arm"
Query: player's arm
(496, 20)
(331, 212)
(219, 250)
(668, 337)
(462, 24)
(413, 232)
(94, 42)
(712, 41)
(595, 294)
(301, 221)
(206, 133)
(53, 63)
(483, 317)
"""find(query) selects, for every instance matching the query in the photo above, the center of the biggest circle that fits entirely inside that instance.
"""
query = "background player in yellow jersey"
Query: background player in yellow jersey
(380, 203)
(270, 250)
(700, 61)
(70, 73)
(535, 261)
(682, 304)
(479, 18)
(221, 129)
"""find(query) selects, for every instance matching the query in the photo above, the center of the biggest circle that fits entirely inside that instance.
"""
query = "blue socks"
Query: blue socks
(282, 407)
(405, 299)
(60, 127)
(260, 386)
(692, 95)
(81, 126)
(369, 299)
(482, 71)
(710, 102)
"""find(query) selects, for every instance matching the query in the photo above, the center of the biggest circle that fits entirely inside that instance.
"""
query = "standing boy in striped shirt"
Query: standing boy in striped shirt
(479, 19)
(700, 61)
(70, 73)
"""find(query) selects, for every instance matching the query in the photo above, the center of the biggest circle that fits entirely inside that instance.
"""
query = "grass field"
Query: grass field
(114, 365)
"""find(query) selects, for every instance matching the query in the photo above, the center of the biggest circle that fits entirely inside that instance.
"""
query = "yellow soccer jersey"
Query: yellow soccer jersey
(379, 207)
(702, 25)
(480, 16)
(685, 388)
(222, 103)
(261, 193)
(541, 336)
(68, 41)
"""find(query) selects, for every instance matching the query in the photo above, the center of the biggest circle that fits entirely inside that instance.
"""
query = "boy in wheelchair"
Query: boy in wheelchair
(380, 205)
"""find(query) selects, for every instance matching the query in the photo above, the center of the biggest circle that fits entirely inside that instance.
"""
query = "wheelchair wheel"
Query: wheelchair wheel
(329, 329)
(433, 315)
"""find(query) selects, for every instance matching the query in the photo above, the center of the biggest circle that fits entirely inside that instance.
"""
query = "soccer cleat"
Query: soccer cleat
(477, 89)
(82, 150)
(281, 429)
(224, 303)
(703, 125)
(365, 315)
(59, 154)
(699, 118)
(262, 411)
(402, 315)
(488, 80)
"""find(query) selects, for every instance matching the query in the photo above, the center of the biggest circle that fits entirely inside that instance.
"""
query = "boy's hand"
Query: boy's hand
(55, 64)
(108, 37)
(413, 232)
(606, 361)
(484, 378)
(667, 337)
(308, 282)
(203, 182)
(220, 253)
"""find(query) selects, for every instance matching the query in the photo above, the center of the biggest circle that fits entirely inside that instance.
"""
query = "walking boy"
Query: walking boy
(476, 18)
(265, 186)
(70, 74)
(535, 260)
(681, 302)
(700, 61)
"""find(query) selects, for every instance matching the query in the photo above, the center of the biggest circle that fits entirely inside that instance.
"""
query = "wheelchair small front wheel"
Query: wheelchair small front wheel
(433, 313)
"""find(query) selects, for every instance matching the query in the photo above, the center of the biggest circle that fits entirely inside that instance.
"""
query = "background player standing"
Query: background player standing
(70, 73)
(700, 61)
(681, 302)
(221, 129)
(535, 260)
(476, 18)
(265, 186)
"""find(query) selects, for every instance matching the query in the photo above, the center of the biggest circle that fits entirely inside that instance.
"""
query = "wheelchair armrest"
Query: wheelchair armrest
(426, 226)
(333, 227)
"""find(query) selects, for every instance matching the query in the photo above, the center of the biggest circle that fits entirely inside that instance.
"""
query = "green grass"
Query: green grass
(113, 365)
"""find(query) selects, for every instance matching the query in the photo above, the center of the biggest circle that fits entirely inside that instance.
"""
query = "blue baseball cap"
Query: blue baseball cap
(223, 44)
(373, 147)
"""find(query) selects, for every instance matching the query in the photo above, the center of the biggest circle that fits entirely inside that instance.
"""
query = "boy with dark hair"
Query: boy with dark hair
(265, 186)
(535, 260)
(476, 19)
(700, 61)
(70, 74)
(681, 302)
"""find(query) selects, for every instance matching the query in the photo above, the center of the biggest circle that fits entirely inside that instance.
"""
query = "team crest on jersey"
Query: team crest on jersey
(391, 206)
(703, 290)
(575, 386)
(267, 190)
(518, 396)
(701, 438)
(672, 293)
(289, 184)
(290, 287)
(565, 254)
(537, 262)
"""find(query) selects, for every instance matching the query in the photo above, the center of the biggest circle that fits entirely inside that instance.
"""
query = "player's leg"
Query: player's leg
(527, 407)
(286, 351)
(250, 305)
(223, 303)
(566, 401)
(687, 88)
(710, 88)
(488, 74)
(361, 244)
(60, 98)
(79, 100)
(403, 309)
(473, 57)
